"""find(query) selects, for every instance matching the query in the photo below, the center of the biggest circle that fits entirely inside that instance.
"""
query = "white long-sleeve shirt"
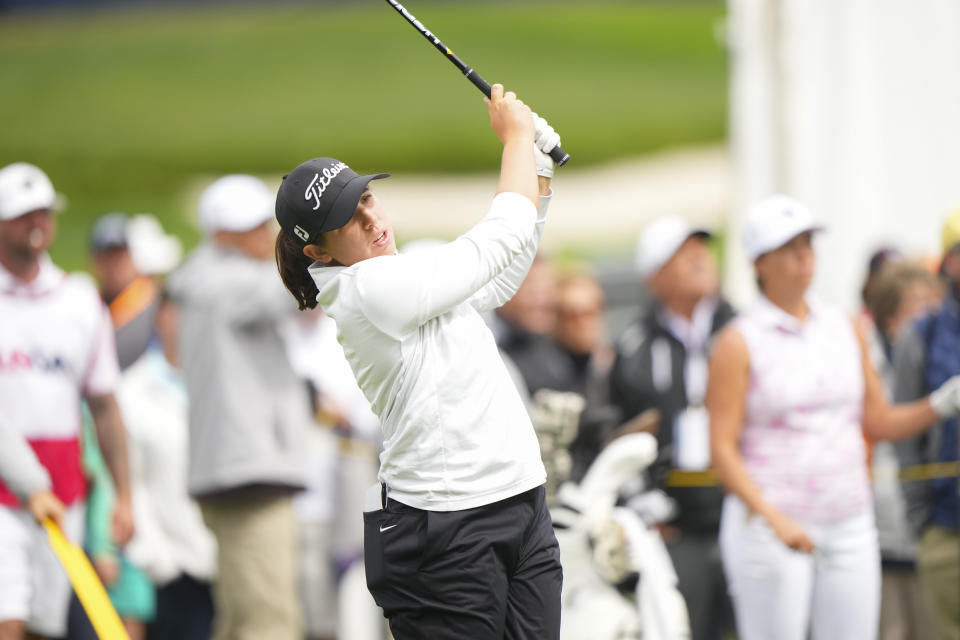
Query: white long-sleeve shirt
(456, 434)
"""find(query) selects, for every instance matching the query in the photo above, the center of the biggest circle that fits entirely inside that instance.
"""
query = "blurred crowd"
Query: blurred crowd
(217, 480)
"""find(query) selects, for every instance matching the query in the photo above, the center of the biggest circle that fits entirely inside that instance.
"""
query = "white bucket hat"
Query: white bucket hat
(660, 240)
(773, 222)
(25, 188)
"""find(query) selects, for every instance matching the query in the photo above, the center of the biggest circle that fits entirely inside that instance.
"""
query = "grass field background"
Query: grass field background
(131, 110)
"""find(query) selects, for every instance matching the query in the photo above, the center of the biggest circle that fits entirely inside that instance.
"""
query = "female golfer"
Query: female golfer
(463, 545)
(791, 391)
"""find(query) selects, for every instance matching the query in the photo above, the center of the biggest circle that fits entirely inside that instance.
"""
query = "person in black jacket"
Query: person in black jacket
(661, 364)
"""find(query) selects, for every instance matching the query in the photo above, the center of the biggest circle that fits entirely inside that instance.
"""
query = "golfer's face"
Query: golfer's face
(367, 235)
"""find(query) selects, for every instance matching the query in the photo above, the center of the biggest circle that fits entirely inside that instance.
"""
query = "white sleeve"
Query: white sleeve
(19, 467)
(399, 293)
(504, 285)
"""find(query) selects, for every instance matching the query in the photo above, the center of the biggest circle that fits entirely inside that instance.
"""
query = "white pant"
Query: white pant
(778, 593)
(34, 587)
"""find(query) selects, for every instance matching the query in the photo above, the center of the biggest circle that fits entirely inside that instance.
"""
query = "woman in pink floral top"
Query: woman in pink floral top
(791, 390)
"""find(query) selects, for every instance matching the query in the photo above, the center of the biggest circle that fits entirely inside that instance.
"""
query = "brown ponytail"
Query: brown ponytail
(292, 264)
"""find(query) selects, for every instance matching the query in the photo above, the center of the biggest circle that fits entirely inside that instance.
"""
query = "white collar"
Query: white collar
(694, 332)
(773, 316)
(48, 278)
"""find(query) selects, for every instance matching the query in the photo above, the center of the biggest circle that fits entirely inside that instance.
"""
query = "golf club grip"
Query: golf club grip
(478, 81)
(559, 155)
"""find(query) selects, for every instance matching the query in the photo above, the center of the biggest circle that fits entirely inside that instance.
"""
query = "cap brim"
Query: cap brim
(346, 204)
(811, 228)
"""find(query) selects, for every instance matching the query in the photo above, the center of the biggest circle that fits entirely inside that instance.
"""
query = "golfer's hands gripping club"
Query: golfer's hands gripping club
(512, 122)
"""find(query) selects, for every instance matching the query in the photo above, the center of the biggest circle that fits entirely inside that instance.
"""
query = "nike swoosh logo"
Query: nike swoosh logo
(382, 529)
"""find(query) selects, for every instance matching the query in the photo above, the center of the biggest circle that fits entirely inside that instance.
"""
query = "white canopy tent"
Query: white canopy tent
(852, 107)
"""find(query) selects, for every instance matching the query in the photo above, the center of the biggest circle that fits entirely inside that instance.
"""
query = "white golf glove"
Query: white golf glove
(546, 139)
(946, 400)
(544, 163)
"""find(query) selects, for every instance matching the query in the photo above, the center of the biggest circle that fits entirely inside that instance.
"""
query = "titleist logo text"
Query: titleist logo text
(320, 183)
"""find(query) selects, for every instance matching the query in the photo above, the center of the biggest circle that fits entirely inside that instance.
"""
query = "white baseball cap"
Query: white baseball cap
(773, 222)
(24, 188)
(660, 240)
(235, 203)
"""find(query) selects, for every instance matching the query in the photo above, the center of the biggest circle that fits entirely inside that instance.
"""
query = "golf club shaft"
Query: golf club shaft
(559, 155)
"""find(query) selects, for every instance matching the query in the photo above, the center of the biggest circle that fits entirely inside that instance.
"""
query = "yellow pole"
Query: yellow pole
(85, 582)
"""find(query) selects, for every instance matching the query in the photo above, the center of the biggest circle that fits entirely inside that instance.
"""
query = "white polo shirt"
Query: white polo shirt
(456, 434)
(56, 346)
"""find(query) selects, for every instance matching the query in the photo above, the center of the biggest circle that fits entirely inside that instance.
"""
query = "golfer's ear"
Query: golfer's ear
(317, 253)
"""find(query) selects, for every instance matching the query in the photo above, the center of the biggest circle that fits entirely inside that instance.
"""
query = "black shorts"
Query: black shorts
(490, 572)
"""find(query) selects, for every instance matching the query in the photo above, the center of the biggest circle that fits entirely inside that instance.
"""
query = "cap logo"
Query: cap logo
(301, 233)
(320, 183)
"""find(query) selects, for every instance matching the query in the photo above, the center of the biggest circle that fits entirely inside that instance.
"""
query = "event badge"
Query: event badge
(691, 439)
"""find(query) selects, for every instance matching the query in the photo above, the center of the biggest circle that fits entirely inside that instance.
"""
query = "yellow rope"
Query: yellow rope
(916, 473)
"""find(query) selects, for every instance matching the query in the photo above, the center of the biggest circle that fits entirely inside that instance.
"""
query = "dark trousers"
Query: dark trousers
(486, 573)
(700, 579)
(184, 611)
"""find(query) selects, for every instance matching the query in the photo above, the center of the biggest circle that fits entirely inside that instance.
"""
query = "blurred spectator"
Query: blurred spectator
(879, 259)
(790, 393)
(927, 355)
(662, 364)
(524, 326)
(342, 450)
(130, 296)
(56, 347)
(896, 295)
(248, 410)
(171, 545)
(124, 253)
(580, 333)
(130, 590)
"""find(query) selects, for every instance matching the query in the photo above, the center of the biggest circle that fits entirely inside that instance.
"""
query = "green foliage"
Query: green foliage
(127, 109)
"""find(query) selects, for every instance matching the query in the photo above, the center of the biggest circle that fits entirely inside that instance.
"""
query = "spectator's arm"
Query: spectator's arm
(113, 446)
(19, 467)
(25, 476)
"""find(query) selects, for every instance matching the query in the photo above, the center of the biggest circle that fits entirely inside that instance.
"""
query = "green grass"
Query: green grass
(125, 110)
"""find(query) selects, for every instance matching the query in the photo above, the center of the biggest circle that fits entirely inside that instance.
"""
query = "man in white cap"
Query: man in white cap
(248, 412)
(661, 364)
(56, 350)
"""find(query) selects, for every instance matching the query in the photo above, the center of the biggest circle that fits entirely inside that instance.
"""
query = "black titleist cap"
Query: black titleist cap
(319, 196)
